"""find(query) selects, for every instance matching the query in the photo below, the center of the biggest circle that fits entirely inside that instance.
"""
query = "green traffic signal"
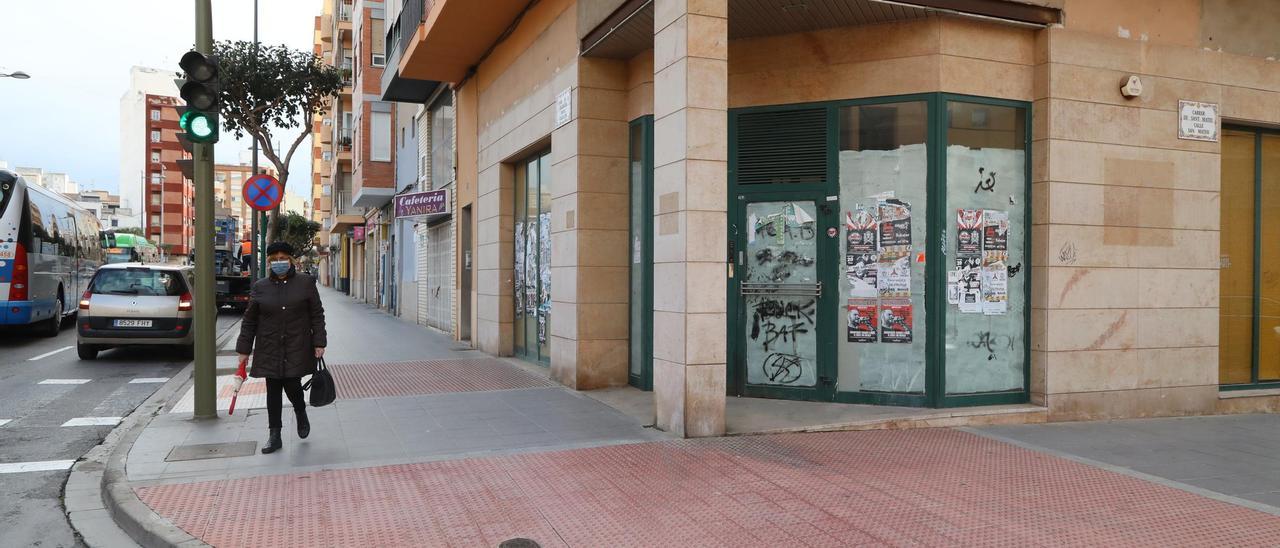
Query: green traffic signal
(200, 126)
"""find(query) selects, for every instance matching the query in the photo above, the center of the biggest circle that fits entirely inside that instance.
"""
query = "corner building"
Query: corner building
(868, 202)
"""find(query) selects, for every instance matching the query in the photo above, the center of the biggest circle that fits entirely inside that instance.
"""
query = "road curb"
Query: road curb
(100, 502)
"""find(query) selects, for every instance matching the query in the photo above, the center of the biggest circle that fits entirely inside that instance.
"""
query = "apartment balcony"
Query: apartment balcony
(326, 27)
(344, 21)
(344, 213)
(453, 36)
(399, 32)
(326, 136)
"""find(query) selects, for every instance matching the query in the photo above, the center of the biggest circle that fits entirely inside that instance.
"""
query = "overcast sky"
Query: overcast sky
(78, 52)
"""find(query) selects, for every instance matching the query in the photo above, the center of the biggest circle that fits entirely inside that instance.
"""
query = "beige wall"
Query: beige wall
(1127, 323)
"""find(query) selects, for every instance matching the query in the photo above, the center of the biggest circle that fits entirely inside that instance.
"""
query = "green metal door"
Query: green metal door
(784, 296)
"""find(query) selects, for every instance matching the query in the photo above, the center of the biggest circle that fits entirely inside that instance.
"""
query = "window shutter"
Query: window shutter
(782, 147)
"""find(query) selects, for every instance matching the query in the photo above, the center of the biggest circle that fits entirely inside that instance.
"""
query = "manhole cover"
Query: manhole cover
(519, 543)
(212, 451)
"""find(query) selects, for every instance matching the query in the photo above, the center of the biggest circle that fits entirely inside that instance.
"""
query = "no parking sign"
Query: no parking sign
(263, 192)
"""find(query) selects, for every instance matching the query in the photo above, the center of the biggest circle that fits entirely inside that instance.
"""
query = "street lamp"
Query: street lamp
(17, 74)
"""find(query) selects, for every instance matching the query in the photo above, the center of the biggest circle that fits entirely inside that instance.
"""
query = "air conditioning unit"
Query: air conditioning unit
(379, 60)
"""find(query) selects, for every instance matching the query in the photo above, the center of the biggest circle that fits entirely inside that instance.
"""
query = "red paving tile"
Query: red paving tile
(373, 380)
(930, 487)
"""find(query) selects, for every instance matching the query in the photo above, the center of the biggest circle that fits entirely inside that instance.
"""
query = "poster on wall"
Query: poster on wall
(893, 275)
(969, 284)
(968, 232)
(861, 232)
(862, 321)
(995, 290)
(862, 275)
(953, 287)
(895, 321)
(995, 230)
(895, 224)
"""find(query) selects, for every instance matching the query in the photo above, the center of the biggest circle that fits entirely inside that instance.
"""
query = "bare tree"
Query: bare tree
(273, 88)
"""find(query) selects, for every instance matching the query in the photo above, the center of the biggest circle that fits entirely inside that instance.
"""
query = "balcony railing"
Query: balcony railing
(342, 204)
(344, 137)
(344, 12)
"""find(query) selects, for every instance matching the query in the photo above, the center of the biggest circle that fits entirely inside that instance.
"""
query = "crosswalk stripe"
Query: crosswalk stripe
(38, 466)
(146, 380)
(5, 421)
(64, 381)
(47, 354)
(93, 421)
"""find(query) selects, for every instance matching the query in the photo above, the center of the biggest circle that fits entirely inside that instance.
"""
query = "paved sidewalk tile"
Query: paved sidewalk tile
(383, 430)
(1236, 455)
(929, 487)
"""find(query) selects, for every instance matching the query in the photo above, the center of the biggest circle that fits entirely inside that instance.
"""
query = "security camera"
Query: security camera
(1131, 86)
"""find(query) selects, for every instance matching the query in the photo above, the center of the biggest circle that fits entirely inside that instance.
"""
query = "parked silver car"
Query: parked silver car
(135, 304)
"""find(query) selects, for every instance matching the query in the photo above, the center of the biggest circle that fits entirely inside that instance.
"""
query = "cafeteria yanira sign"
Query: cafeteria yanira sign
(419, 204)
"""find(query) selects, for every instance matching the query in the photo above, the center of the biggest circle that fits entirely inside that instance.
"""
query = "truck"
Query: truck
(232, 281)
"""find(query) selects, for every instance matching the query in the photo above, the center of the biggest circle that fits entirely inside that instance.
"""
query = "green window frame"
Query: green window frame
(531, 295)
(640, 368)
(938, 221)
(1255, 380)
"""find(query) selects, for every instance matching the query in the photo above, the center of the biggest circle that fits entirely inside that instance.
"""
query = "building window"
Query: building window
(155, 198)
(442, 141)
(157, 177)
(380, 137)
(533, 258)
(155, 219)
(1249, 272)
(155, 114)
(155, 156)
(155, 136)
(379, 48)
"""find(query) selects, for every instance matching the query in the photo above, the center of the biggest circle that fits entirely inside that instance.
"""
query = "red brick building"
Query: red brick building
(169, 204)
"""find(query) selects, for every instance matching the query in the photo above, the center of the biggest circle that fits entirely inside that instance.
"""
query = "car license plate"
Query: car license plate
(132, 323)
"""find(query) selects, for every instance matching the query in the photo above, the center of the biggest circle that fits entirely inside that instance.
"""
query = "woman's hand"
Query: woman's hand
(319, 352)
(244, 358)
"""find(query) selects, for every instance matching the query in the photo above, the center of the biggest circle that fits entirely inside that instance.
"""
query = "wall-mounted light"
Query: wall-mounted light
(1131, 86)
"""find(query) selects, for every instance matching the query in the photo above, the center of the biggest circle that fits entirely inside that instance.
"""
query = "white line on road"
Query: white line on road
(47, 354)
(93, 421)
(40, 466)
(5, 421)
(147, 380)
(64, 381)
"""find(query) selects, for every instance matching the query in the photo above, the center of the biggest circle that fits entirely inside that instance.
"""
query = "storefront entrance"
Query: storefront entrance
(880, 251)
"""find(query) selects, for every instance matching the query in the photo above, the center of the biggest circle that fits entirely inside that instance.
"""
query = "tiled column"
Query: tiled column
(690, 159)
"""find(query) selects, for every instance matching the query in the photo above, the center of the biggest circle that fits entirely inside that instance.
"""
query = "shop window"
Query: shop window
(532, 329)
(884, 260)
(1249, 279)
(640, 172)
(442, 141)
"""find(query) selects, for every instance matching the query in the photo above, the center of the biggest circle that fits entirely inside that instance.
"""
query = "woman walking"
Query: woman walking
(285, 322)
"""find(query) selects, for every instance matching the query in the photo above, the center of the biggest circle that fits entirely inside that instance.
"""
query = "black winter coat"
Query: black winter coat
(285, 322)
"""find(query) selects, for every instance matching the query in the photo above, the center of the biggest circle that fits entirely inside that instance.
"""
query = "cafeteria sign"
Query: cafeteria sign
(418, 204)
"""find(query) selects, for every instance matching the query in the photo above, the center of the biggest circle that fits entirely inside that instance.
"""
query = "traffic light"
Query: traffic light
(200, 88)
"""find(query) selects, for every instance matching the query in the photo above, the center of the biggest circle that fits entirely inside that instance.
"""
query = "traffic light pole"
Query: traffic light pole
(205, 307)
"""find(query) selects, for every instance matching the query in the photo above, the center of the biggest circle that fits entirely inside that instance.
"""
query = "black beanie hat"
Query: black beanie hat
(279, 246)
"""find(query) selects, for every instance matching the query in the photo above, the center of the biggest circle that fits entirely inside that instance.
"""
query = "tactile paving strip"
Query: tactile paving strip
(930, 487)
(372, 380)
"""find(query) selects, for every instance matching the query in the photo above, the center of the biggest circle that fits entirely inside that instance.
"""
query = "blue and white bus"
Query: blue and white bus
(49, 250)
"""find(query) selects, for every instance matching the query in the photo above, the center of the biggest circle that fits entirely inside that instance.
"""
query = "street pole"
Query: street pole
(205, 308)
(253, 244)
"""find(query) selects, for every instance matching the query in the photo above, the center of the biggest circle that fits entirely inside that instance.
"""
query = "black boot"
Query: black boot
(304, 425)
(273, 442)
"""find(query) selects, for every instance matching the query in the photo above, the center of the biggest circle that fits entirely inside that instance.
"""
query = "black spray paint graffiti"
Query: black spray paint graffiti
(782, 368)
(1067, 255)
(776, 321)
(785, 263)
(1015, 269)
(992, 342)
(987, 182)
(804, 231)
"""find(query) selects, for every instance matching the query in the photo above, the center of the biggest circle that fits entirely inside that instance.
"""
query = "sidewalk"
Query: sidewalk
(459, 449)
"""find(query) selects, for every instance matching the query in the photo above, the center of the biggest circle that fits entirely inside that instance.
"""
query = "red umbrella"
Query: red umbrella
(237, 381)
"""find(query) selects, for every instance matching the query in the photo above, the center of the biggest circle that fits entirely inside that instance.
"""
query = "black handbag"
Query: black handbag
(323, 390)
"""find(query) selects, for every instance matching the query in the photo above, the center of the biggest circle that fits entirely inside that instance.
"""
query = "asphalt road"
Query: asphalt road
(43, 386)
